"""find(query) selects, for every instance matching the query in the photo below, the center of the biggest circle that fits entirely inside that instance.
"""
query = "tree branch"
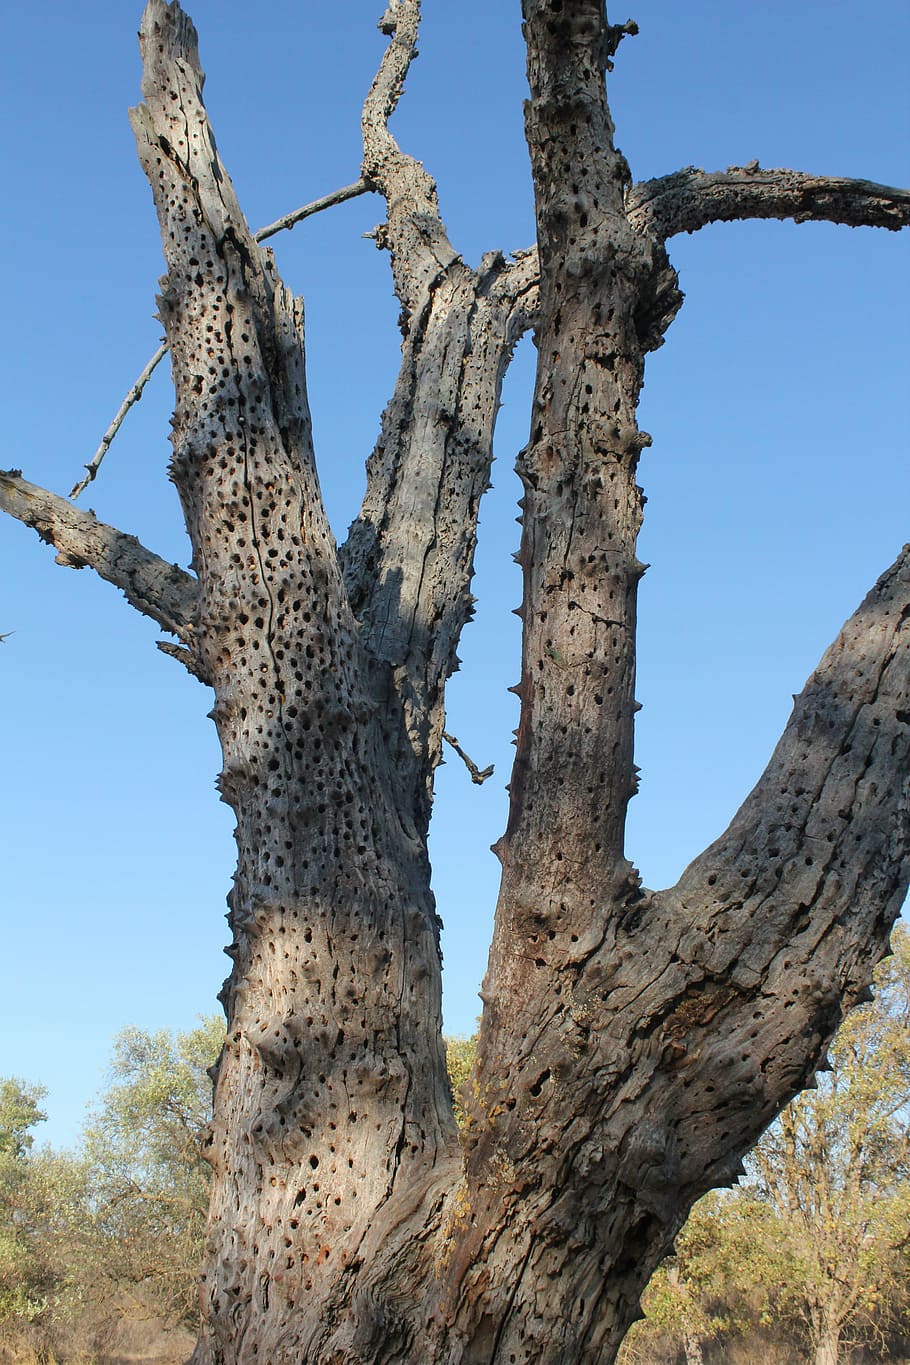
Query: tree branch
(633, 1045)
(782, 920)
(684, 1020)
(327, 201)
(242, 423)
(692, 198)
(129, 401)
(285, 223)
(478, 776)
(414, 233)
(837, 781)
(581, 505)
(162, 591)
(409, 557)
(408, 560)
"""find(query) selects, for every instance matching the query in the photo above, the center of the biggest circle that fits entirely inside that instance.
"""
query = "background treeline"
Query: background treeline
(99, 1247)
(808, 1259)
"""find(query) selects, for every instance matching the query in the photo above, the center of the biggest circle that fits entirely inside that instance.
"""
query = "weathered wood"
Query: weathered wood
(633, 1043)
(160, 590)
(333, 1067)
(692, 198)
(624, 1066)
(409, 558)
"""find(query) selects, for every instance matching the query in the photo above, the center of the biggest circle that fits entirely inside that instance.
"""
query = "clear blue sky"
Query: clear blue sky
(778, 482)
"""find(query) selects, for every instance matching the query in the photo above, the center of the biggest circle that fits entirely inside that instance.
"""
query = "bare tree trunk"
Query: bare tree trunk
(692, 1347)
(633, 1044)
(825, 1339)
(827, 1350)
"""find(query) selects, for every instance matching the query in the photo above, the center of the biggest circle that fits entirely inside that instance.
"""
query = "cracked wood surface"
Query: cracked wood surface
(333, 1066)
(692, 198)
(633, 1042)
(160, 590)
(409, 557)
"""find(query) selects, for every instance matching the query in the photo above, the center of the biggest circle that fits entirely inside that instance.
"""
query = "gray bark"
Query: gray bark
(826, 1344)
(633, 1044)
(162, 591)
(692, 198)
(692, 1347)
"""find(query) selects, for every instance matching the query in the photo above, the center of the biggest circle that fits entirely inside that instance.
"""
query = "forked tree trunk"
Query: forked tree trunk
(633, 1044)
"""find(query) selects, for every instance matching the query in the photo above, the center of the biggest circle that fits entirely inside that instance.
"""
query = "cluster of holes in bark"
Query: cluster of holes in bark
(284, 650)
(266, 546)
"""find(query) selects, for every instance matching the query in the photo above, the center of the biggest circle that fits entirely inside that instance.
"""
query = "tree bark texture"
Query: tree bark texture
(633, 1043)
(826, 1344)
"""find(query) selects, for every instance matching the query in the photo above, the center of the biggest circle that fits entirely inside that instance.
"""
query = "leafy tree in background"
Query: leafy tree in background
(115, 1230)
(818, 1240)
(146, 1178)
(461, 1054)
(835, 1171)
(25, 1278)
(633, 1044)
(111, 1234)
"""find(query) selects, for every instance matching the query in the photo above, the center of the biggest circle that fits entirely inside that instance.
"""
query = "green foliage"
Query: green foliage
(112, 1233)
(19, 1113)
(815, 1241)
(835, 1171)
(145, 1177)
(24, 1275)
(460, 1054)
(815, 1244)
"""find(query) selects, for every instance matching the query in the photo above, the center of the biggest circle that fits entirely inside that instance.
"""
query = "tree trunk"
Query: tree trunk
(692, 1347)
(825, 1340)
(633, 1044)
(827, 1350)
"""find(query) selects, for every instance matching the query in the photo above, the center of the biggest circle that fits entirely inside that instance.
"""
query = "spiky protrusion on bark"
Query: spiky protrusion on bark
(633, 1043)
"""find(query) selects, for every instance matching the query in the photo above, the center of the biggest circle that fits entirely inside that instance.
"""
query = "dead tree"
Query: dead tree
(633, 1044)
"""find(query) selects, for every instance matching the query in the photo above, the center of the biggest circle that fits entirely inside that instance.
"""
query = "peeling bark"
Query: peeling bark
(633, 1043)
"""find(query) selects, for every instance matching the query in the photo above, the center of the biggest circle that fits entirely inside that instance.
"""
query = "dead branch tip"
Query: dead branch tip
(478, 775)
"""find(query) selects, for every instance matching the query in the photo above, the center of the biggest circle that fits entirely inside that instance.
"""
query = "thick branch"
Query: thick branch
(241, 426)
(692, 198)
(624, 1065)
(581, 506)
(162, 591)
(796, 900)
(414, 232)
(408, 560)
(409, 557)
(681, 1022)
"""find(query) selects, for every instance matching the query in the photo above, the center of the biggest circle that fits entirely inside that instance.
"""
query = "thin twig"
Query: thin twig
(477, 775)
(132, 397)
(327, 201)
(283, 224)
